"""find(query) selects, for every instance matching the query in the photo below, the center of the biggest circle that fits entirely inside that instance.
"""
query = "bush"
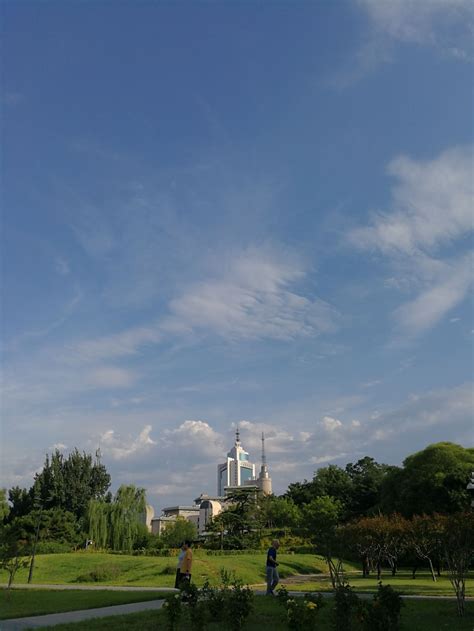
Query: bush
(173, 608)
(346, 605)
(383, 614)
(239, 605)
(301, 613)
(231, 604)
(99, 573)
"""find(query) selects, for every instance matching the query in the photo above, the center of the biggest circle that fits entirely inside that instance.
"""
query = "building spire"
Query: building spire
(237, 435)
(264, 459)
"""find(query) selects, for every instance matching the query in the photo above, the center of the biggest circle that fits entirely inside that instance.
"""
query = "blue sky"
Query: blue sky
(228, 213)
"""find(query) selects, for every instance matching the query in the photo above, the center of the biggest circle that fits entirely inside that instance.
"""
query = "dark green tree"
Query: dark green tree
(118, 524)
(431, 481)
(21, 502)
(320, 520)
(366, 476)
(279, 512)
(178, 531)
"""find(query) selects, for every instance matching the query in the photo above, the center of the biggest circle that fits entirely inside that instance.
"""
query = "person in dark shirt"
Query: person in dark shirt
(272, 572)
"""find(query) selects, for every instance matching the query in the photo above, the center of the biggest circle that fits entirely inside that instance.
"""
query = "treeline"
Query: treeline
(430, 481)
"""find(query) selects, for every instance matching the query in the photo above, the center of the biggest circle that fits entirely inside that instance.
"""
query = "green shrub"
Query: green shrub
(301, 613)
(238, 606)
(99, 573)
(383, 613)
(174, 610)
(346, 606)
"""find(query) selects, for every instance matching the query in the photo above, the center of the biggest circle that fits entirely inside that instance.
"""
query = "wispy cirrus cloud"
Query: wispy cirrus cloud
(252, 299)
(423, 236)
(446, 26)
(431, 205)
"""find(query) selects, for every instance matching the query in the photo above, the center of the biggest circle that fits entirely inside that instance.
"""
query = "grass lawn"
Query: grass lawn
(34, 602)
(416, 616)
(402, 582)
(159, 571)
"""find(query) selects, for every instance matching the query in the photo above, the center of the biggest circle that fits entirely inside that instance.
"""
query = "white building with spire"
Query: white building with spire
(237, 470)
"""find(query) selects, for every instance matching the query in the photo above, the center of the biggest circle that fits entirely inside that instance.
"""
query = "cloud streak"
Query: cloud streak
(430, 216)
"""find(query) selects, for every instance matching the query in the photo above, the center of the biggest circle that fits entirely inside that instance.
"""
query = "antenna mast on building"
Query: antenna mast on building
(264, 459)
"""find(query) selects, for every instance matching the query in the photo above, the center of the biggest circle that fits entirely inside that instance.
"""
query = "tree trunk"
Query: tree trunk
(432, 570)
(33, 554)
(12, 571)
(331, 572)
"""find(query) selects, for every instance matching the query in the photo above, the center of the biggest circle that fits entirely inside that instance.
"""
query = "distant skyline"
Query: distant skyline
(221, 214)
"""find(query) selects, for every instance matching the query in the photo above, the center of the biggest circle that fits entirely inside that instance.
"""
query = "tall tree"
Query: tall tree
(117, 524)
(432, 481)
(320, 519)
(70, 483)
(178, 531)
(4, 507)
(366, 476)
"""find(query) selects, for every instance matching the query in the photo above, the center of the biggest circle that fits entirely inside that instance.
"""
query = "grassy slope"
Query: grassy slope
(402, 582)
(159, 571)
(20, 603)
(416, 616)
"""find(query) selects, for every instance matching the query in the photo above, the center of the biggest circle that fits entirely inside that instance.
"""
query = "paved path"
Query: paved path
(109, 588)
(35, 622)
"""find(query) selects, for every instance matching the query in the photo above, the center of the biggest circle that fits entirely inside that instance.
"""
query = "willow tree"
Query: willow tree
(117, 524)
(99, 521)
(126, 517)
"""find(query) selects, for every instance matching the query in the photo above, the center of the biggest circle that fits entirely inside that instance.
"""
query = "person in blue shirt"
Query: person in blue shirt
(272, 572)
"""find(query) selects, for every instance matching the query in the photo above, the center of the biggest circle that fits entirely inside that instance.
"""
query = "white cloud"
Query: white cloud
(59, 446)
(429, 414)
(122, 448)
(432, 205)
(197, 436)
(426, 22)
(110, 377)
(445, 26)
(431, 211)
(432, 304)
(330, 424)
(251, 299)
(121, 344)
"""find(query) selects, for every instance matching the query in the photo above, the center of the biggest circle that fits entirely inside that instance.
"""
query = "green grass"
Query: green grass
(416, 616)
(402, 582)
(56, 569)
(18, 603)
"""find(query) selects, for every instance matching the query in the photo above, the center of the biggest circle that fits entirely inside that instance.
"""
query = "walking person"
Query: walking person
(272, 573)
(181, 554)
(186, 566)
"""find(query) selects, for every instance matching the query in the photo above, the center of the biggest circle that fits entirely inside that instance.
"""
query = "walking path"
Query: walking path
(34, 622)
(109, 588)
